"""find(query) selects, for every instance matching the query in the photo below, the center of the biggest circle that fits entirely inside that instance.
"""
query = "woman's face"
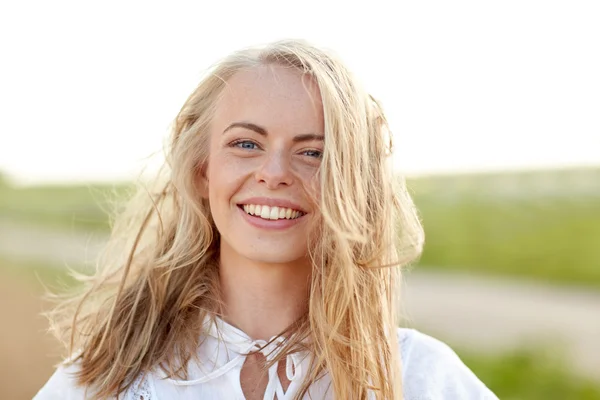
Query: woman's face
(265, 153)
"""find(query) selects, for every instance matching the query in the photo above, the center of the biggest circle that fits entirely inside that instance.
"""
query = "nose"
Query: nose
(275, 171)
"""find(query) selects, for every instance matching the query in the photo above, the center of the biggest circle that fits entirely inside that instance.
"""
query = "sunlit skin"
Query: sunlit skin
(266, 147)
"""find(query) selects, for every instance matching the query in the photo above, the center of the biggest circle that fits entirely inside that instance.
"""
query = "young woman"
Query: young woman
(265, 263)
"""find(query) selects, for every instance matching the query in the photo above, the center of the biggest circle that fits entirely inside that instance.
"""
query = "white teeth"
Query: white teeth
(271, 213)
(265, 212)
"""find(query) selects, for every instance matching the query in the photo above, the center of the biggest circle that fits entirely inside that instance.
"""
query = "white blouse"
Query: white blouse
(430, 371)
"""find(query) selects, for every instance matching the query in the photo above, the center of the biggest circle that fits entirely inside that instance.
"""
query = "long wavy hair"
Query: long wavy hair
(158, 279)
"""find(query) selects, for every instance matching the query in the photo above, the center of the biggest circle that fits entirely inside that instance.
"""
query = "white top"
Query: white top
(430, 370)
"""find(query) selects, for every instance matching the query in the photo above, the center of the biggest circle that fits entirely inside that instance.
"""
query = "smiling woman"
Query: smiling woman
(267, 263)
(269, 161)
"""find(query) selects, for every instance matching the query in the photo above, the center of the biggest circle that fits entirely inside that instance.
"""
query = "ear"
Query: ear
(202, 181)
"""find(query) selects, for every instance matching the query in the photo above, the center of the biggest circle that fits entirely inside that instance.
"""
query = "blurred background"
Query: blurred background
(495, 107)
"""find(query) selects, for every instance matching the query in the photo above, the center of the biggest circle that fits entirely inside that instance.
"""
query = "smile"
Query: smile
(271, 213)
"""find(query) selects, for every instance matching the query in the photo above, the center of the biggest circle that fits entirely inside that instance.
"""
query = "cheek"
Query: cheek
(225, 176)
(312, 184)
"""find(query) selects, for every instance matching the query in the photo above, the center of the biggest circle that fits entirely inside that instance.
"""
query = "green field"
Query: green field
(38, 275)
(538, 225)
(530, 374)
(551, 238)
(83, 207)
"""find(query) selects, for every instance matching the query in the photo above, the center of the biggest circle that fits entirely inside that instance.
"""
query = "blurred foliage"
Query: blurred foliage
(4, 182)
(530, 374)
(69, 206)
(540, 225)
(39, 275)
(554, 239)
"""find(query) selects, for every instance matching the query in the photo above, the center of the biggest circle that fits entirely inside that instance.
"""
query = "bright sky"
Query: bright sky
(88, 89)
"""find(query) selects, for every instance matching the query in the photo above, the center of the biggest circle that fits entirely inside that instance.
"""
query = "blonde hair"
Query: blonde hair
(158, 278)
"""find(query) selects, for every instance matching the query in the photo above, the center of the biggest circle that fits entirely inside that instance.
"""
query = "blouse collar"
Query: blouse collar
(219, 336)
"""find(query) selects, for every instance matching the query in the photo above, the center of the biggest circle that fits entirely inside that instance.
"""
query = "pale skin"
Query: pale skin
(266, 146)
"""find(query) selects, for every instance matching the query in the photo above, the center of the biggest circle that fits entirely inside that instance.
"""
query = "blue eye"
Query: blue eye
(313, 153)
(246, 144)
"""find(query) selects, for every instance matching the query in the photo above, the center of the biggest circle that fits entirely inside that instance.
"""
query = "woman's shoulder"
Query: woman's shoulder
(432, 370)
(62, 385)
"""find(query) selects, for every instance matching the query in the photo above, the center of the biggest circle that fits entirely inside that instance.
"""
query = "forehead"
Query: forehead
(276, 97)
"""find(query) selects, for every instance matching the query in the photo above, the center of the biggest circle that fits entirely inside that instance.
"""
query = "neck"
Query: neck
(262, 299)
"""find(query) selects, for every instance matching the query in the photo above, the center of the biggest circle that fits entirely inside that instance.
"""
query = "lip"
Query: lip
(271, 202)
(274, 224)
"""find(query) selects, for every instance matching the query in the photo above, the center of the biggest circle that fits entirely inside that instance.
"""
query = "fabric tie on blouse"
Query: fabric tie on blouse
(241, 345)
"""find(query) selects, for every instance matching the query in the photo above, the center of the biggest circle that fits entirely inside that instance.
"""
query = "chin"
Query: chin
(288, 251)
(273, 253)
(277, 258)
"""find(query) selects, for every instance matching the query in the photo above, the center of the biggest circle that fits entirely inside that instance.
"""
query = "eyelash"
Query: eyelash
(319, 153)
(238, 143)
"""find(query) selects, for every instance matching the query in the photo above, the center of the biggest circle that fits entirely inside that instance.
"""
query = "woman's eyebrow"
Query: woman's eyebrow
(305, 137)
(308, 137)
(247, 125)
